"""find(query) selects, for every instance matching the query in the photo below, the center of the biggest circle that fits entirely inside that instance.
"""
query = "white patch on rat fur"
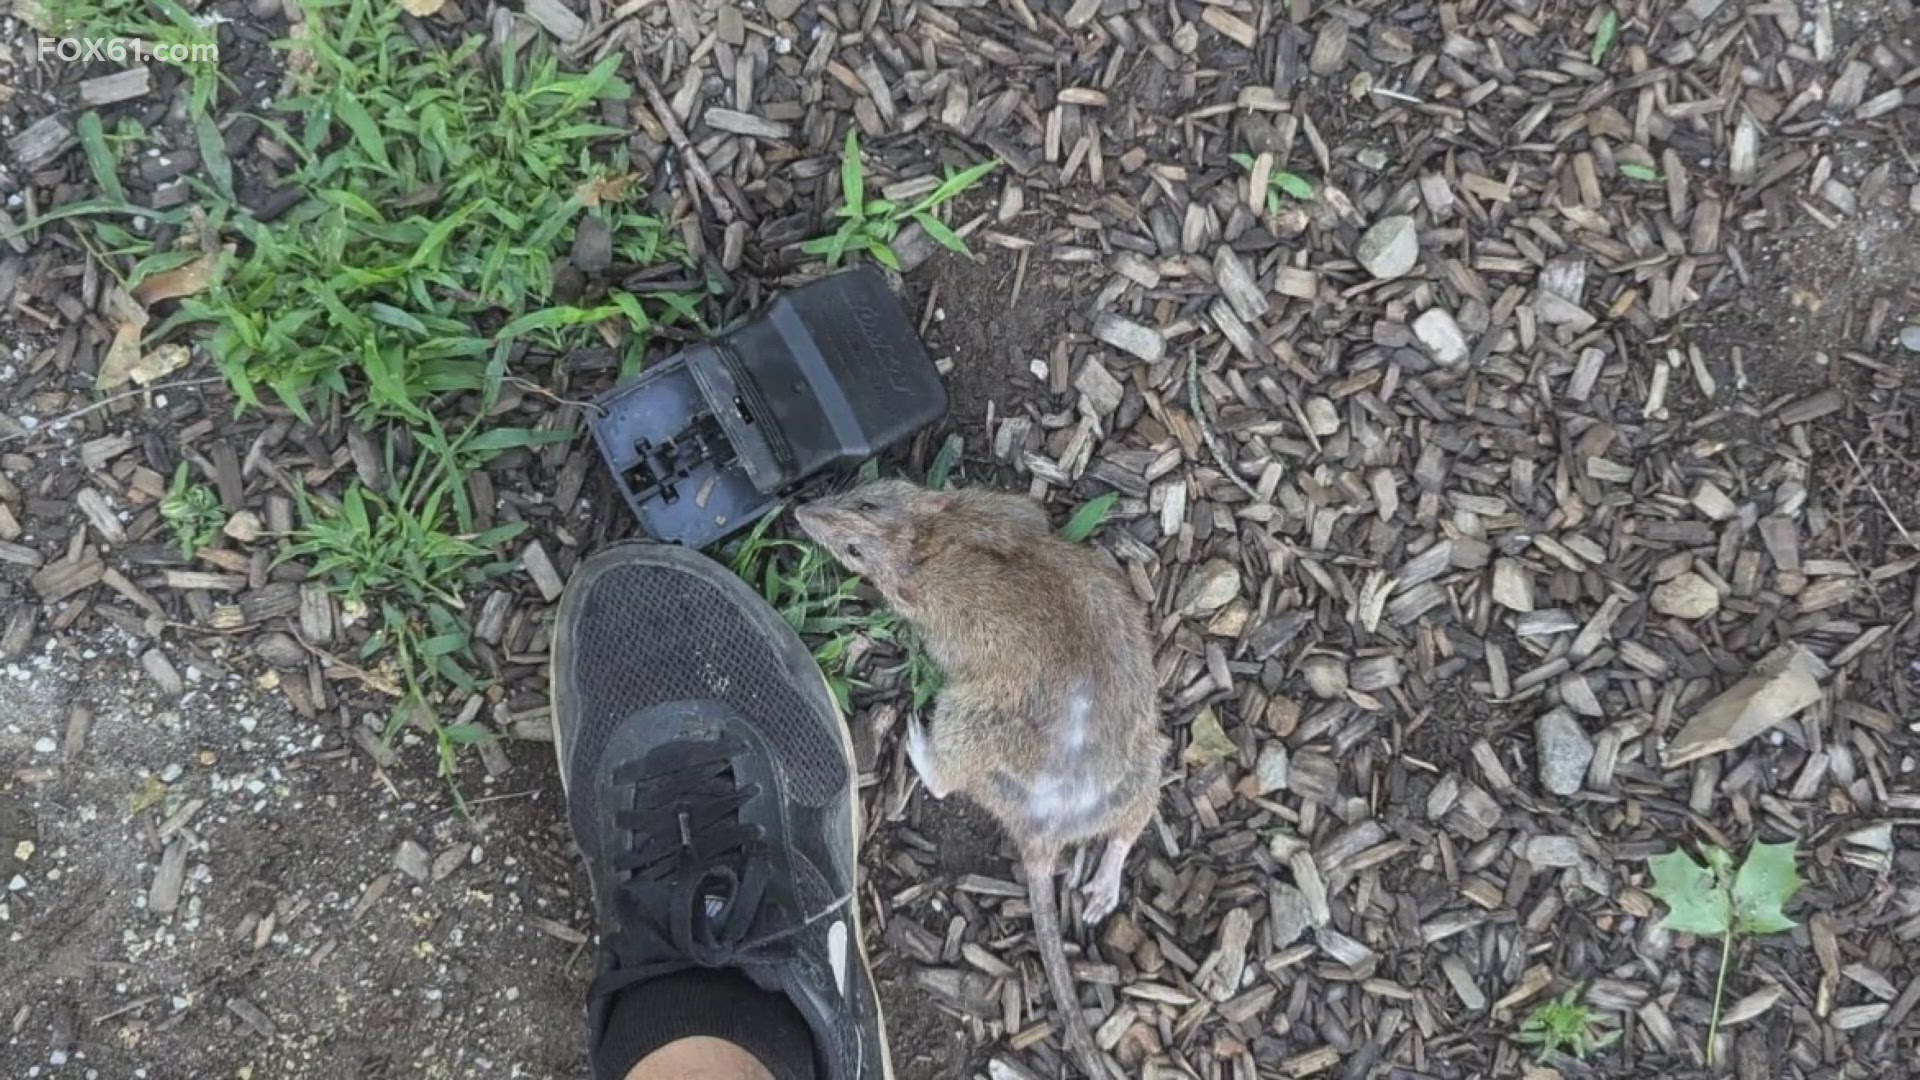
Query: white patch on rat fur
(1073, 734)
(1063, 800)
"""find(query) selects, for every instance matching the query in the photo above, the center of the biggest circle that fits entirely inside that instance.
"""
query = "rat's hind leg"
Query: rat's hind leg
(1103, 889)
(920, 752)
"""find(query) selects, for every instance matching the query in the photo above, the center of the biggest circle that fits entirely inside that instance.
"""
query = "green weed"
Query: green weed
(407, 555)
(192, 511)
(1717, 900)
(870, 225)
(1563, 1025)
(444, 186)
(1279, 182)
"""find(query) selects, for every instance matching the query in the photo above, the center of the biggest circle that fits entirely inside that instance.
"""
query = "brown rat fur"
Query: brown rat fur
(1048, 716)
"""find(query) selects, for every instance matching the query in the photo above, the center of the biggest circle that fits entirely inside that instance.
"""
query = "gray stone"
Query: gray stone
(1553, 851)
(1211, 586)
(1323, 416)
(1564, 751)
(1440, 333)
(413, 861)
(1288, 914)
(1687, 596)
(1390, 248)
(1270, 771)
(1910, 338)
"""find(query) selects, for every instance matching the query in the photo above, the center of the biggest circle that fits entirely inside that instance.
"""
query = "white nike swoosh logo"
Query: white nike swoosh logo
(838, 954)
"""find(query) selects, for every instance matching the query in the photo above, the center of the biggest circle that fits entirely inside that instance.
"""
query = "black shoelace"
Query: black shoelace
(695, 873)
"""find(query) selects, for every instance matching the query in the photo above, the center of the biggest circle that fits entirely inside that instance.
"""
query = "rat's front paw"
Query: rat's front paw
(920, 752)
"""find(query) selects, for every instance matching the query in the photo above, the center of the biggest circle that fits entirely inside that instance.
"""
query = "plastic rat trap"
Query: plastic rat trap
(708, 440)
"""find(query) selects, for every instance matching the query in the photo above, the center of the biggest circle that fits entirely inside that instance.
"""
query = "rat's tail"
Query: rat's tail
(1053, 957)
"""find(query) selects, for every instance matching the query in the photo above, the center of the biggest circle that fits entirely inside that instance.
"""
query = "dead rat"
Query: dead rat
(1048, 716)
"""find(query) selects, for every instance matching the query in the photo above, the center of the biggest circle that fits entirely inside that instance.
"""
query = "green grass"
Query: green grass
(442, 186)
(870, 225)
(155, 22)
(445, 185)
(405, 558)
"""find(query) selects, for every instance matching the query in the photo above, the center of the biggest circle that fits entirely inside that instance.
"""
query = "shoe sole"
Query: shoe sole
(713, 573)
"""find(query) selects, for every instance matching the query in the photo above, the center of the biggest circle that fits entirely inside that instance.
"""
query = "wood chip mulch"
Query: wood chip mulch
(1535, 499)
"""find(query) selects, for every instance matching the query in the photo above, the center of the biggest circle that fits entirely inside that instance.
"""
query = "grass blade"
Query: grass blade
(852, 178)
(365, 131)
(943, 463)
(93, 141)
(938, 229)
(213, 153)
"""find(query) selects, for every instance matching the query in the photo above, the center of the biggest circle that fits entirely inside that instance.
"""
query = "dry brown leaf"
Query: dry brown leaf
(1209, 743)
(117, 366)
(183, 280)
(598, 189)
(159, 363)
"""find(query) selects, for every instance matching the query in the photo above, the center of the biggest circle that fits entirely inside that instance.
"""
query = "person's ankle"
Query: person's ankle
(699, 1057)
(721, 1006)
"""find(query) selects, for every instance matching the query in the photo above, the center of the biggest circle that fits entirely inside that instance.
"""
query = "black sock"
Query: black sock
(719, 1004)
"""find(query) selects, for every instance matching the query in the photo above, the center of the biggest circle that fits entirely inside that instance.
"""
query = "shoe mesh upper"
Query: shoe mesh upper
(648, 635)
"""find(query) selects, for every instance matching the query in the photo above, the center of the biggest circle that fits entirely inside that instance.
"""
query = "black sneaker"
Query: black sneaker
(709, 783)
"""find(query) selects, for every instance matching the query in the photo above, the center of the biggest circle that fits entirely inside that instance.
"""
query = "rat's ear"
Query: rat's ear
(940, 502)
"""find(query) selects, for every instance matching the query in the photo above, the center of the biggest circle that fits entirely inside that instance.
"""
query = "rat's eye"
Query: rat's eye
(853, 551)
(866, 505)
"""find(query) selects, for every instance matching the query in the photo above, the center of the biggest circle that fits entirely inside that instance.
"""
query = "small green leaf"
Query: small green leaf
(957, 183)
(1293, 184)
(937, 229)
(213, 152)
(1088, 517)
(852, 181)
(506, 438)
(464, 734)
(443, 644)
(943, 463)
(93, 141)
(1765, 882)
(365, 131)
(1245, 161)
(1207, 742)
(1603, 38)
(1635, 171)
(1695, 898)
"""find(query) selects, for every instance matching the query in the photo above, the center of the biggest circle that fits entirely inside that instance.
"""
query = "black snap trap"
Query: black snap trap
(829, 374)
